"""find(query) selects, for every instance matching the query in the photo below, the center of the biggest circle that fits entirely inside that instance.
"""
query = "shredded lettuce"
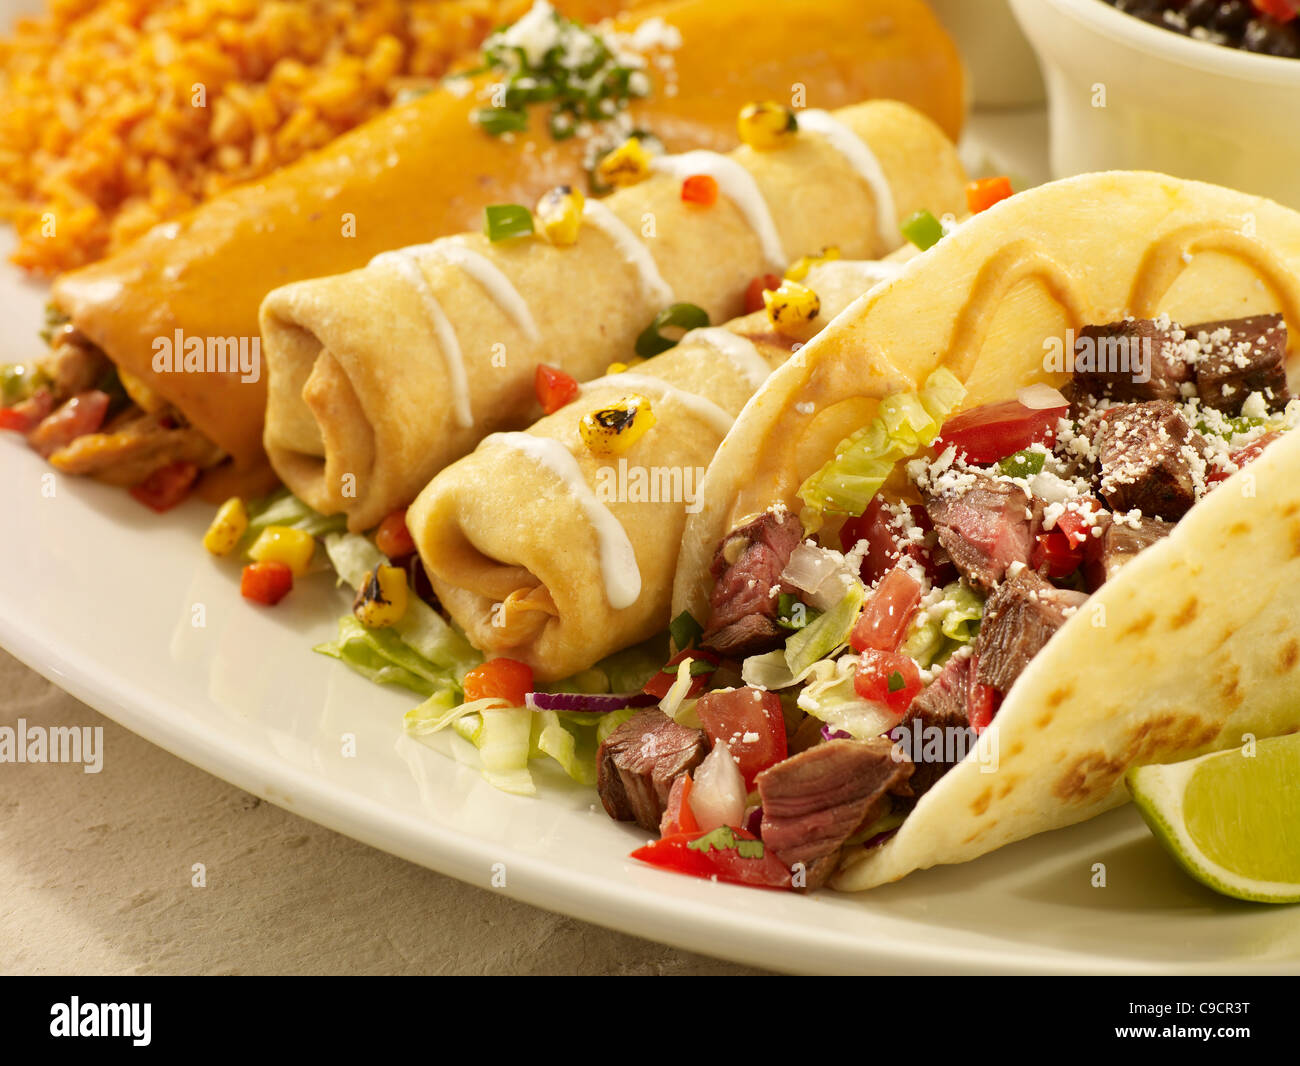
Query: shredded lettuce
(443, 709)
(285, 509)
(571, 748)
(611, 721)
(504, 747)
(381, 656)
(830, 697)
(932, 639)
(825, 634)
(904, 424)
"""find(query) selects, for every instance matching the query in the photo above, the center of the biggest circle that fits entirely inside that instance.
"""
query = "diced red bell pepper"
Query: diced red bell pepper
(678, 817)
(888, 612)
(981, 701)
(82, 414)
(506, 679)
(1243, 457)
(266, 583)
(754, 294)
(26, 415)
(984, 193)
(393, 538)
(889, 678)
(992, 432)
(700, 189)
(726, 854)
(555, 388)
(1054, 551)
(886, 545)
(167, 486)
(659, 685)
(751, 722)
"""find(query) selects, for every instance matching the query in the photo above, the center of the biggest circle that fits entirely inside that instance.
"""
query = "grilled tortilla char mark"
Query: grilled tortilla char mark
(1019, 619)
(984, 526)
(1119, 543)
(814, 801)
(1147, 451)
(940, 705)
(638, 763)
(1108, 359)
(746, 568)
(1240, 356)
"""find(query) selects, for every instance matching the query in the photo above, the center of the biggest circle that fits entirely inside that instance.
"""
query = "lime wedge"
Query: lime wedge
(1231, 819)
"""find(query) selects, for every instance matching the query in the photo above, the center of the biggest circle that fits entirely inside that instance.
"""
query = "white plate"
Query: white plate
(100, 596)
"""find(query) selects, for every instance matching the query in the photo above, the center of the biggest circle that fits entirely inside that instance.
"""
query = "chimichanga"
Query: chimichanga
(380, 377)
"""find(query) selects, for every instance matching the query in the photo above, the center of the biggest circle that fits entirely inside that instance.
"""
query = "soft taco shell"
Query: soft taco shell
(1193, 645)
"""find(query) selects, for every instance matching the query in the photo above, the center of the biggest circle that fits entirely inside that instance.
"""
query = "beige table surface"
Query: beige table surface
(95, 878)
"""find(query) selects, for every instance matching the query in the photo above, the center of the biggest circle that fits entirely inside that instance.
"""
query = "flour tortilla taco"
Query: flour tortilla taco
(1030, 511)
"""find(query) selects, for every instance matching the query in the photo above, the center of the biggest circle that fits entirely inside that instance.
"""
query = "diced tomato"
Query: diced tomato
(884, 620)
(981, 702)
(1281, 10)
(678, 817)
(721, 860)
(506, 679)
(1243, 457)
(393, 538)
(659, 685)
(82, 414)
(167, 486)
(267, 583)
(26, 415)
(1054, 551)
(984, 193)
(992, 432)
(555, 388)
(889, 678)
(700, 189)
(754, 294)
(886, 544)
(1076, 522)
(751, 722)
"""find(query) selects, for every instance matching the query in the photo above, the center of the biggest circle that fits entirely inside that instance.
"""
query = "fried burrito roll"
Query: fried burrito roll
(425, 169)
(382, 376)
(552, 547)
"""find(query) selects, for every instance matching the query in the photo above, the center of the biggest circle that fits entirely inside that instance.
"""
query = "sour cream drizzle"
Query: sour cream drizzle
(863, 160)
(704, 410)
(737, 350)
(657, 291)
(738, 185)
(618, 565)
(405, 262)
(487, 274)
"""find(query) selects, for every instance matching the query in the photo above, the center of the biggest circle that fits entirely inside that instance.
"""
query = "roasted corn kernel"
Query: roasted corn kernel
(627, 164)
(791, 305)
(800, 267)
(228, 525)
(618, 368)
(283, 544)
(612, 430)
(560, 213)
(767, 125)
(381, 597)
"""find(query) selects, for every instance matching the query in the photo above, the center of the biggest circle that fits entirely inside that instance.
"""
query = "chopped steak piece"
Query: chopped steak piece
(1240, 356)
(746, 568)
(814, 801)
(1117, 545)
(1133, 359)
(984, 526)
(1151, 459)
(941, 705)
(638, 762)
(1019, 618)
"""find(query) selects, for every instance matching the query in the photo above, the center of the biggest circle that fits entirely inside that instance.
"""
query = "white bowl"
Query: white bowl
(1126, 95)
(1003, 70)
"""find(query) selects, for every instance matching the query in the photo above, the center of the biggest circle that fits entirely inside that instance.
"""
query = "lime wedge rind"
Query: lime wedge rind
(1158, 793)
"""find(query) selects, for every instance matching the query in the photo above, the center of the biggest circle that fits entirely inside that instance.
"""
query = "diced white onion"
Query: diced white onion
(1041, 397)
(718, 790)
(809, 566)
